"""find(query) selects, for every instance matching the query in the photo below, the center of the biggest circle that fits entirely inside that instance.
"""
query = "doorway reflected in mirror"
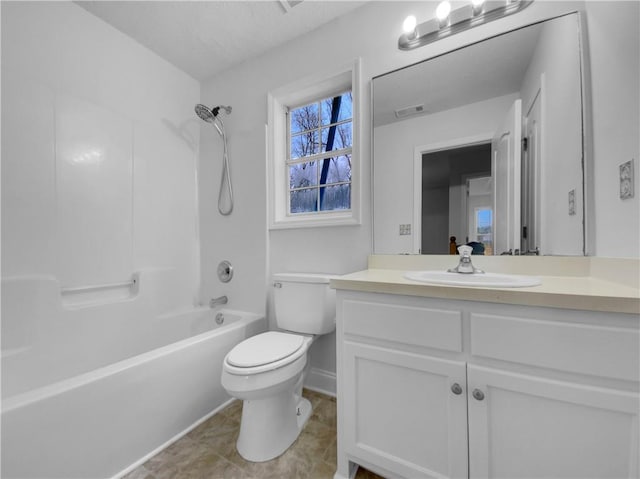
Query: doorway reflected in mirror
(455, 183)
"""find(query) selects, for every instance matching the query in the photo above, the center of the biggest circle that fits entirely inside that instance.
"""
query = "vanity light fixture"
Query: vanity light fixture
(448, 22)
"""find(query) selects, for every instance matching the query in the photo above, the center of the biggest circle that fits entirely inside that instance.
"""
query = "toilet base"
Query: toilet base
(270, 425)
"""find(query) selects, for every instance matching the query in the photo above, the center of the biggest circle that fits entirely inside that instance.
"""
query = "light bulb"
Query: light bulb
(409, 25)
(442, 12)
(477, 6)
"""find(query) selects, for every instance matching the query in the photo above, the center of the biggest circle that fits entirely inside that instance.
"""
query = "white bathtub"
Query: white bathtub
(101, 422)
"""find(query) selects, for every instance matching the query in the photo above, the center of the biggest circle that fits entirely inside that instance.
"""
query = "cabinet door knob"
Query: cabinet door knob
(456, 389)
(477, 394)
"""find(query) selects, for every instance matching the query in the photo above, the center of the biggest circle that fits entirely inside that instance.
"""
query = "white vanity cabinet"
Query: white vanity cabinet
(442, 388)
(530, 426)
(386, 421)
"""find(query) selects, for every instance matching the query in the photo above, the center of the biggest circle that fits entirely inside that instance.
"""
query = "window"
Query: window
(313, 152)
(319, 155)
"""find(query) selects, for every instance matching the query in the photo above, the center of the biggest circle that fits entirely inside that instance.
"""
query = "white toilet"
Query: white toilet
(267, 371)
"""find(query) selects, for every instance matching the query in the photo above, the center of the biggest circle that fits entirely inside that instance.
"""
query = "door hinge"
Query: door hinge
(525, 143)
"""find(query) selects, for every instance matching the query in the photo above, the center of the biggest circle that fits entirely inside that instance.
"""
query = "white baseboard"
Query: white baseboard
(321, 381)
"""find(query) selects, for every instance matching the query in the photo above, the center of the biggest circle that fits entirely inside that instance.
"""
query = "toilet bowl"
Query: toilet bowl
(266, 372)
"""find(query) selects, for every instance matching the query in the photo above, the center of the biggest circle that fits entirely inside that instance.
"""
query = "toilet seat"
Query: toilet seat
(265, 352)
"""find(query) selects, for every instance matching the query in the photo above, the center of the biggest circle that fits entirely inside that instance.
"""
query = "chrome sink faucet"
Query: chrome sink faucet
(220, 300)
(465, 266)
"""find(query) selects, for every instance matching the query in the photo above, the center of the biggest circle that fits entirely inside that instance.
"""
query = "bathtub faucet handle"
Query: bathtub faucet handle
(220, 300)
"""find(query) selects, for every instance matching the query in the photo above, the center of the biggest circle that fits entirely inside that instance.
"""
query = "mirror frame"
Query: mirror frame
(586, 137)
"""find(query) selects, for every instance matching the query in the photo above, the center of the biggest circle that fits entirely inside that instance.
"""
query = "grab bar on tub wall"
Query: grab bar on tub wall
(81, 289)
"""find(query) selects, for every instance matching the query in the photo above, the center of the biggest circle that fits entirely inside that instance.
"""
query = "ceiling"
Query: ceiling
(205, 38)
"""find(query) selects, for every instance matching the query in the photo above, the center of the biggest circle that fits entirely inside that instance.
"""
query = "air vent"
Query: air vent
(410, 110)
(287, 5)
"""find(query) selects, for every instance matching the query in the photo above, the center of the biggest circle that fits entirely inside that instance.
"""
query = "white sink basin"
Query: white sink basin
(491, 280)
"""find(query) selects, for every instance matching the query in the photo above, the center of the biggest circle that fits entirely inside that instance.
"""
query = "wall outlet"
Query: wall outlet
(572, 202)
(405, 229)
(626, 180)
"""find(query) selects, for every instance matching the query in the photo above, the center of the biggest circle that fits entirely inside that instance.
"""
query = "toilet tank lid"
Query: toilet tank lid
(304, 277)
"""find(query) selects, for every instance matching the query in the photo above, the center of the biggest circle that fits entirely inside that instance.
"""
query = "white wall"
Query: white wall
(614, 44)
(99, 148)
(370, 33)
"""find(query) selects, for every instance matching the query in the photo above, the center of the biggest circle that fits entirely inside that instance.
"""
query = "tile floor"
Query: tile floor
(209, 451)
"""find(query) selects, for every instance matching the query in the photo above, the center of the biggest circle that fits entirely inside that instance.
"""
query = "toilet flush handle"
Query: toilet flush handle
(277, 285)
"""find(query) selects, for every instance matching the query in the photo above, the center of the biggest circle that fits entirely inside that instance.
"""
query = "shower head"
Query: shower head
(209, 114)
(205, 113)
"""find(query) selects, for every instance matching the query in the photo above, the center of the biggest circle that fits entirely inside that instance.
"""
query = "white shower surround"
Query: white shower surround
(100, 186)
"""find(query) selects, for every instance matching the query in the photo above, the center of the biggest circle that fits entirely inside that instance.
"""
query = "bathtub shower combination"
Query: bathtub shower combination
(91, 389)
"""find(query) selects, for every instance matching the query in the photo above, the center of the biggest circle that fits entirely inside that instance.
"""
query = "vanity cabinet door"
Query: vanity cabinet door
(405, 412)
(532, 427)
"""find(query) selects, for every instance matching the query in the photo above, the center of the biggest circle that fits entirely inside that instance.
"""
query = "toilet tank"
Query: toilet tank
(304, 302)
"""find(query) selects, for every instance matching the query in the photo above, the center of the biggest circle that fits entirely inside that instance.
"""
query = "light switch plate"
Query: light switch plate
(626, 180)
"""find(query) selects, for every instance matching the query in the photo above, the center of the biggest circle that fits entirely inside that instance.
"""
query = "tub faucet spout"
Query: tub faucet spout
(220, 300)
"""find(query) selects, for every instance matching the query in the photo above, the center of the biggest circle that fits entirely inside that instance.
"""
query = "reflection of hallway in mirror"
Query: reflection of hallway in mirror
(444, 194)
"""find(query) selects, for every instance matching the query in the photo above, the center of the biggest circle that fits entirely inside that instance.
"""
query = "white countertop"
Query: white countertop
(574, 291)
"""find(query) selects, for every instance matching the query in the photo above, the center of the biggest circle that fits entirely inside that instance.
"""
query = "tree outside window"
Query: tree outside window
(319, 155)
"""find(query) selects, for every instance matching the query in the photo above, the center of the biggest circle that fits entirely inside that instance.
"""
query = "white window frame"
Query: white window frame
(298, 93)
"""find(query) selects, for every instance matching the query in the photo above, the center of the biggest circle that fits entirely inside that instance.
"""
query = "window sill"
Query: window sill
(316, 221)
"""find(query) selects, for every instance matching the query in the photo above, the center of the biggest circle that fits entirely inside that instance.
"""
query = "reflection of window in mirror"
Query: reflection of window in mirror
(483, 229)
(480, 214)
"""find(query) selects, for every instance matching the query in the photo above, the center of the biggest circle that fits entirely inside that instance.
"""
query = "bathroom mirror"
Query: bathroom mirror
(484, 143)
